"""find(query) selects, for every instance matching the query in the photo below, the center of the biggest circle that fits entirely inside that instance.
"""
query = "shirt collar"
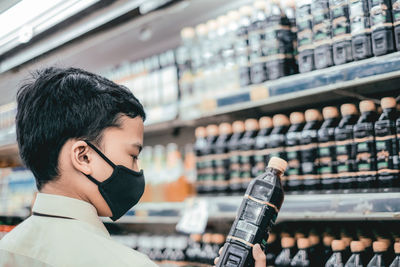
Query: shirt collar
(68, 207)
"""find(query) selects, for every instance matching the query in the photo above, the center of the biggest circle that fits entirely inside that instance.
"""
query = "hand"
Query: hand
(258, 255)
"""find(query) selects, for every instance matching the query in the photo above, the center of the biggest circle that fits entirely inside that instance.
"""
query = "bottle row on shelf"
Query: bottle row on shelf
(324, 151)
(7, 125)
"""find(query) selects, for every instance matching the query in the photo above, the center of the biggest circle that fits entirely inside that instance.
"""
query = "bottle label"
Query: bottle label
(365, 154)
(380, 17)
(386, 154)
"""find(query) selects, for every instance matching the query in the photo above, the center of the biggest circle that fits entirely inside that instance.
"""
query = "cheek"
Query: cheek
(101, 170)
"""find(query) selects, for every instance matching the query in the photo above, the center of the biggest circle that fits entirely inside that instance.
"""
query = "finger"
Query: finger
(259, 256)
(220, 250)
(216, 260)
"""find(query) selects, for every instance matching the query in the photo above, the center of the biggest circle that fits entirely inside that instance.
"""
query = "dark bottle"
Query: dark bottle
(345, 147)
(277, 139)
(302, 257)
(294, 176)
(256, 42)
(396, 22)
(387, 155)
(242, 45)
(221, 161)
(207, 254)
(256, 216)
(347, 241)
(382, 26)
(193, 251)
(309, 150)
(278, 47)
(378, 260)
(234, 156)
(360, 29)
(326, 149)
(260, 154)
(316, 250)
(200, 149)
(322, 34)
(337, 259)
(209, 162)
(396, 261)
(368, 251)
(217, 241)
(288, 252)
(356, 259)
(289, 8)
(364, 140)
(272, 248)
(341, 31)
(327, 249)
(305, 48)
(247, 152)
(184, 62)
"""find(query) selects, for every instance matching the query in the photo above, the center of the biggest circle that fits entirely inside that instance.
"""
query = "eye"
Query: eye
(135, 157)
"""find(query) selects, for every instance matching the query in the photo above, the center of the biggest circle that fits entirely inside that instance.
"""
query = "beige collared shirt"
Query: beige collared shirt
(80, 241)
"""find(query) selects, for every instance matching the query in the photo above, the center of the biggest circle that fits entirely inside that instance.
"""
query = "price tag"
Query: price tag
(195, 217)
(258, 93)
(208, 104)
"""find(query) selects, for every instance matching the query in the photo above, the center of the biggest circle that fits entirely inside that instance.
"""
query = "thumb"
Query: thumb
(259, 256)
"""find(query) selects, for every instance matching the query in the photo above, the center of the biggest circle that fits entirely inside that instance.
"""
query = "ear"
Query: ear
(81, 157)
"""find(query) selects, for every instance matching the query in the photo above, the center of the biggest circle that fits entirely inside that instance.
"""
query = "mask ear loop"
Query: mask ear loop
(101, 154)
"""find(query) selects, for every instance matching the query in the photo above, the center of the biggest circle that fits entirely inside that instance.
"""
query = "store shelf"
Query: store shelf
(354, 206)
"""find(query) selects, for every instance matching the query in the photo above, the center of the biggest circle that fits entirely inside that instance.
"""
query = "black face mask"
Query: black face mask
(122, 190)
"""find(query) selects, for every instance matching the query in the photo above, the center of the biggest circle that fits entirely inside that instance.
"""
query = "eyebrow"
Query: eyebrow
(138, 146)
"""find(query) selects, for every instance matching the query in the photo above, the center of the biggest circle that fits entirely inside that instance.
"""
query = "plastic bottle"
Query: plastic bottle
(327, 250)
(242, 45)
(378, 260)
(247, 145)
(322, 34)
(337, 259)
(289, 8)
(256, 216)
(316, 250)
(294, 176)
(302, 257)
(364, 140)
(382, 26)
(199, 64)
(232, 77)
(396, 22)
(347, 241)
(234, 156)
(356, 259)
(368, 251)
(288, 251)
(387, 151)
(396, 261)
(360, 29)
(309, 150)
(326, 149)
(341, 31)
(184, 61)
(261, 157)
(305, 36)
(272, 248)
(222, 158)
(345, 147)
(201, 153)
(209, 162)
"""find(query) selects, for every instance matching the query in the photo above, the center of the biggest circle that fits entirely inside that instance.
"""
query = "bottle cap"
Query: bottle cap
(246, 10)
(251, 125)
(357, 246)
(277, 163)
(222, 20)
(195, 237)
(298, 235)
(303, 243)
(212, 25)
(265, 122)
(296, 117)
(212, 130)
(314, 239)
(348, 109)
(338, 245)
(233, 15)
(313, 115)
(347, 240)
(328, 240)
(385, 240)
(288, 3)
(206, 238)
(379, 246)
(217, 238)
(271, 238)
(200, 132)
(397, 248)
(287, 242)
(284, 234)
(225, 128)
(366, 241)
(388, 102)
(188, 33)
(238, 127)
(330, 112)
(261, 4)
(201, 29)
(280, 120)
(367, 105)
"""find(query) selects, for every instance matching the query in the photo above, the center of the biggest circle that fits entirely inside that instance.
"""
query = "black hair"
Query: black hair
(59, 104)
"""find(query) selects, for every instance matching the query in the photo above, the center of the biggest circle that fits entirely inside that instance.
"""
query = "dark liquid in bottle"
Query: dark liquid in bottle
(242, 48)
(247, 162)
(221, 161)
(260, 153)
(302, 257)
(382, 26)
(360, 29)
(201, 151)
(234, 145)
(337, 258)
(396, 22)
(256, 216)
(288, 251)
(305, 37)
